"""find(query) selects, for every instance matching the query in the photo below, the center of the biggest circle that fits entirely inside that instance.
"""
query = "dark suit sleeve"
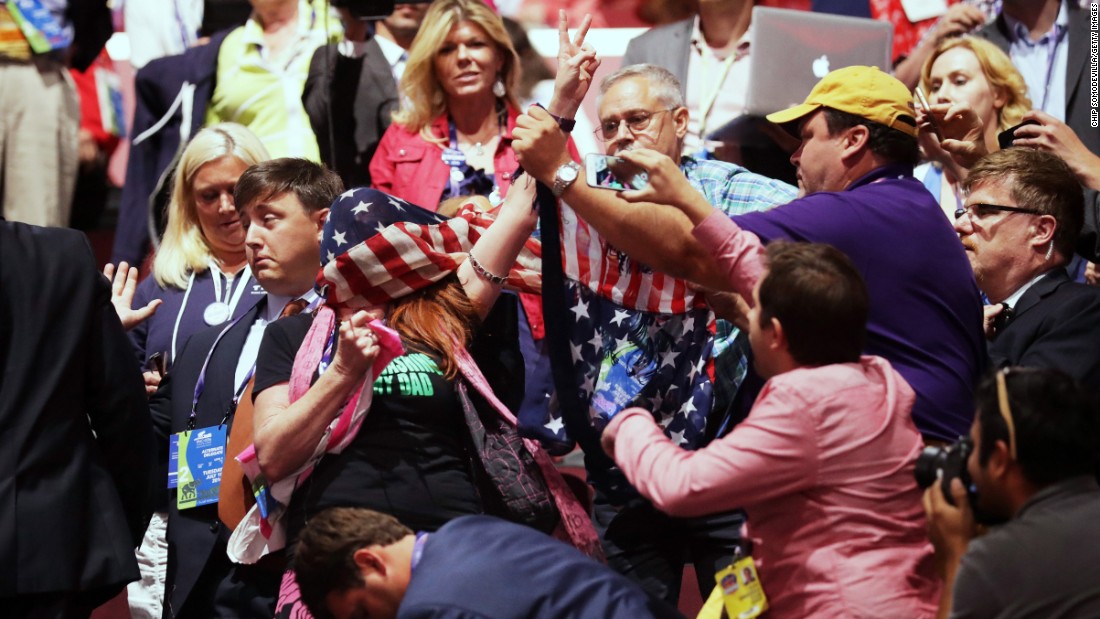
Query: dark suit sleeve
(132, 230)
(331, 86)
(118, 410)
(1071, 341)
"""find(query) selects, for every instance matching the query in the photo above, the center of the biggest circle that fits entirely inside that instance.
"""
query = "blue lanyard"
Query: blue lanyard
(330, 347)
(200, 384)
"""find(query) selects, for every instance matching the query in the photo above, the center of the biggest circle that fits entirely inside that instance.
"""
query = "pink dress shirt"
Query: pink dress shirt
(824, 467)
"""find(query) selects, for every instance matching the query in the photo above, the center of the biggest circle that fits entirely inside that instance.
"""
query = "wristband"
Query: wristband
(565, 124)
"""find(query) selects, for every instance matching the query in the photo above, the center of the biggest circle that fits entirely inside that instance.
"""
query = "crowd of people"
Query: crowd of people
(363, 298)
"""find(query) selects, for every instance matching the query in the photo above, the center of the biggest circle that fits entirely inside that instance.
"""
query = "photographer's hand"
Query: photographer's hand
(950, 528)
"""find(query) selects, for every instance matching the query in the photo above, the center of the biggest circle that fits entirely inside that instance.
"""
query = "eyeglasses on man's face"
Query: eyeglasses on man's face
(980, 210)
(636, 122)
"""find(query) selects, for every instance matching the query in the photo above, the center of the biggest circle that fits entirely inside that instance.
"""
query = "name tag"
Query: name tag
(43, 31)
(200, 459)
(742, 594)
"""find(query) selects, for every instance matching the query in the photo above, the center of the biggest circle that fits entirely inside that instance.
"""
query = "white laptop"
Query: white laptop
(792, 50)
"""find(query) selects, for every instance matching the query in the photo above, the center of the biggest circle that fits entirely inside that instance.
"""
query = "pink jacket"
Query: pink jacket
(408, 167)
(824, 467)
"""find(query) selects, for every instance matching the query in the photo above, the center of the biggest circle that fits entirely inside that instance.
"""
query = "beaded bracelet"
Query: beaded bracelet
(485, 274)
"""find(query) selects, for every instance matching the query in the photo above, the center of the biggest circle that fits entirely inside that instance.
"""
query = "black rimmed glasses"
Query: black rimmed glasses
(636, 122)
(980, 210)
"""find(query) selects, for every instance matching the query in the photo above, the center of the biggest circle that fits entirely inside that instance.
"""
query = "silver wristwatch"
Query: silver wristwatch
(564, 177)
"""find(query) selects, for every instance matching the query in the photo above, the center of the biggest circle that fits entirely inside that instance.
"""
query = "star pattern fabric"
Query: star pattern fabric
(636, 338)
(377, 248)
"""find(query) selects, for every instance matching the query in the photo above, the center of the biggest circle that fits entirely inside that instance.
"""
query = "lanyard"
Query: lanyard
(1052, 45)
(200, 384)
(215, 275)
(455, 158)
(330, 347)
(706, 101)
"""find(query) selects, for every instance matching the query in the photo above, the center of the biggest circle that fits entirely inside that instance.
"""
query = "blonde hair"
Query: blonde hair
(184, 249)
(423, 99)
(1002, 75)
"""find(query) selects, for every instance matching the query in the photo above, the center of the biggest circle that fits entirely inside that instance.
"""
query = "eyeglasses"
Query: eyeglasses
(637, 122)
(980, 211)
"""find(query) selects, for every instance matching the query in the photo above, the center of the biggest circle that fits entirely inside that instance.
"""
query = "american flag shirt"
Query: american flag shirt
(638, 337)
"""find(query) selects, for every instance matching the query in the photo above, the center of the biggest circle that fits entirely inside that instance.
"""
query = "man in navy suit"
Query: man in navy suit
(354, 562)
(283, 204)
(1019, 226)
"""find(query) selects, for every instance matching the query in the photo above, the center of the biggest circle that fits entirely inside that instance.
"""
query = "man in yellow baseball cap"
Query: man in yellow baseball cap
(858, 194)
(856, 119)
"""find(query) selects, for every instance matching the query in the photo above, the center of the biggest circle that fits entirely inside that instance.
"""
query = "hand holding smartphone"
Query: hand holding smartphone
(608, 172)
(922, 103)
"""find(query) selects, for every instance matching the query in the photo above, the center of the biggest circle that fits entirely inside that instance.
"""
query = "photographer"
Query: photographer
(1032, 456)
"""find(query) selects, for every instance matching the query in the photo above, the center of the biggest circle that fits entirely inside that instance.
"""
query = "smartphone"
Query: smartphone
(1008, 136)
(607, 172)
(922, 101)
(157, 362)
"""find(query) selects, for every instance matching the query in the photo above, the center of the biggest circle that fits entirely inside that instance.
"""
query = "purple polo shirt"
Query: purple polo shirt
(926, 310)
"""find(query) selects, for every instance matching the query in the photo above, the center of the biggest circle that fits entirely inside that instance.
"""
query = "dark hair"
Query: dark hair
(324, 561)
(314, 185)
(1055, 418)
(889, 144)
(1037, 180)
(818, 295)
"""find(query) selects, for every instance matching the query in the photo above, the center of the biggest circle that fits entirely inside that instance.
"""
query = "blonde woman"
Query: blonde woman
(974, 73)
(200, 271)
(452, 135)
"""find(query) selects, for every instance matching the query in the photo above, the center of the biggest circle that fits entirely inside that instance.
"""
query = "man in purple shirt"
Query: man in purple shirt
(855, 166)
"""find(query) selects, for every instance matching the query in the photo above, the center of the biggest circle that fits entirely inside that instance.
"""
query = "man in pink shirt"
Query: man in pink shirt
(824, 462)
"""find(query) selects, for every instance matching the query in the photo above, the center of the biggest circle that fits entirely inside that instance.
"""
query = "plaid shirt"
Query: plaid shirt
(733, 189)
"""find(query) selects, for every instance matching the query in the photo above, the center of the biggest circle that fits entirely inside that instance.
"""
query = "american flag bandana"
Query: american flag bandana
(635, 338)
(377, 248)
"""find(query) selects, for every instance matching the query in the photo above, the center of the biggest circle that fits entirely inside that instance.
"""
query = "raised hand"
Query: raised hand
(962, 131)
(123, 284)
(577, 64)
(1056, 137)
(357, 346)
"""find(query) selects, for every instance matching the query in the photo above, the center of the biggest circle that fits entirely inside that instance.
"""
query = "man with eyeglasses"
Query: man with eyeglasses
(855, 165)
(642, 106)
(1019, 226)
(1035, 438)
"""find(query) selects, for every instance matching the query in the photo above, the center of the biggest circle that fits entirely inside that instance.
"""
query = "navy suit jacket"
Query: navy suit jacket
(1055, 324)
(76, 445)
(1078, 107)
(479, 566)
(194, 533)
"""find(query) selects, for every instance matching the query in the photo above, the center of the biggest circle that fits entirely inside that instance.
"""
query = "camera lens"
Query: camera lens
(930, 460)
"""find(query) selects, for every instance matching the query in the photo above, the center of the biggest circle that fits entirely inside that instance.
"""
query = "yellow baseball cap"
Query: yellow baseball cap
(866, 92)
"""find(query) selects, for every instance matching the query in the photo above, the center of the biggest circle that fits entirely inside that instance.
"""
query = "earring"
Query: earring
(1050, 250)
(498, 88)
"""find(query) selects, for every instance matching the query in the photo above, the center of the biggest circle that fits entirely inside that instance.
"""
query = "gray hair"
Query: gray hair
(663, 84)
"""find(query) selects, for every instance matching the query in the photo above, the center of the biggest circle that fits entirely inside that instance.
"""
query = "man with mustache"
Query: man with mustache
(1019, 226)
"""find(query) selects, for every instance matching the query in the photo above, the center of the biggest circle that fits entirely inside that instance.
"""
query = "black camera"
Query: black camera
(945, 463)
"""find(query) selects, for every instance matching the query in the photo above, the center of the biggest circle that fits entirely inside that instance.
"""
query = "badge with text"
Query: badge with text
(173, 460)
(744, 597)
(199, 469)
